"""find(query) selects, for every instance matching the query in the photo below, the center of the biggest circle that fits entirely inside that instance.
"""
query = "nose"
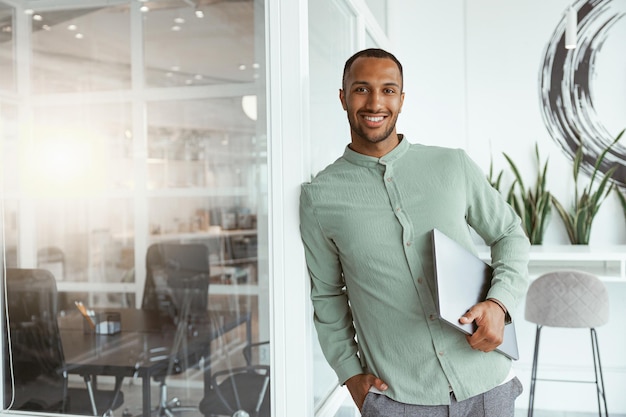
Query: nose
(374, 101)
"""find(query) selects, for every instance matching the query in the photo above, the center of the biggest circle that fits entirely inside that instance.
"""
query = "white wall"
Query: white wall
(471, 81)
(434, 72)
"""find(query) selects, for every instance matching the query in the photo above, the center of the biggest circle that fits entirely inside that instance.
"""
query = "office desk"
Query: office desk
(128, 353)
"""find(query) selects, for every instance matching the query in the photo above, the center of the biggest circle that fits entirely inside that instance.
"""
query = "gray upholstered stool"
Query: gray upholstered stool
(571, 299)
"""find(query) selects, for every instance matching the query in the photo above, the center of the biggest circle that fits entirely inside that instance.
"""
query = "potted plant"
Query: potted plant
(579, 219)
(532, 205)
(622, 199)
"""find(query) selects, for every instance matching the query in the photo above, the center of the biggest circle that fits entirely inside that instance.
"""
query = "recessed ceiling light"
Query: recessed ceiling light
(255, 65)
(175, 68)
(179, 20)
(242, 67)
(175, 28)
(29, 11)
(37, 17)
(79, 36)
(188, 82)
(46, 27)
(199, 14)
(72, 27)
(144, 9)
(198, 76)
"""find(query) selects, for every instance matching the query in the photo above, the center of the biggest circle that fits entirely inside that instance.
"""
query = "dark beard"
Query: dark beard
(375, 139)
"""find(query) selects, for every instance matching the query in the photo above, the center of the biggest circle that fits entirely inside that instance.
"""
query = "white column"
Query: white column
(288, 100)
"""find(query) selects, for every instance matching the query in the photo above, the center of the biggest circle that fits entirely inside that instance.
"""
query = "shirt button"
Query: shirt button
(432, 317)
(408, 243)
(440, 353)
(389, 179)
(420, 281)
(398, 209)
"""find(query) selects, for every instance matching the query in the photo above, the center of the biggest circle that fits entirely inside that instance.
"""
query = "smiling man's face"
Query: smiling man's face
(372, 97)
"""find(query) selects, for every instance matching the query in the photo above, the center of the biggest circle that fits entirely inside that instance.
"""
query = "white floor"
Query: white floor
(544, 413)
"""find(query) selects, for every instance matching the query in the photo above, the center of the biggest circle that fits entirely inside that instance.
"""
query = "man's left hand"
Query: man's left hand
(489, 319)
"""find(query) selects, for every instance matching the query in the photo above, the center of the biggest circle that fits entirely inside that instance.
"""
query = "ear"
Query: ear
(342, 98)
(401, 102)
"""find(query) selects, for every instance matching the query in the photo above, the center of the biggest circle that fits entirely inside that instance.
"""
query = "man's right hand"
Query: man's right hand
(359, 385)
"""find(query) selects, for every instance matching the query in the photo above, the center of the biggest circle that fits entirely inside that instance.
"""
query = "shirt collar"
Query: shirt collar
(371, 161)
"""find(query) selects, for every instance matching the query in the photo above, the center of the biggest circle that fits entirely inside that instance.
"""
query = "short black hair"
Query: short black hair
(369, 53)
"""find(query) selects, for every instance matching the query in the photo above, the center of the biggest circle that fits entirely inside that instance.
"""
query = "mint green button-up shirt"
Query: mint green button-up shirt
(365, 225)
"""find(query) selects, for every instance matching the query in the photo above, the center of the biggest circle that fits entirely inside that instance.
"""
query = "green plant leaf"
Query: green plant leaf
(600, 195)
(526, 203)
(518, 177)
(621, 198)
(582, 225)
(587, 202)
(578, 157)
(543, 176)
(602, 155)
(566, 218)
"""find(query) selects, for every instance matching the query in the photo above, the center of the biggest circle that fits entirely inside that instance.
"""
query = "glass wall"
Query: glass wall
(133, 158)
(7, 53)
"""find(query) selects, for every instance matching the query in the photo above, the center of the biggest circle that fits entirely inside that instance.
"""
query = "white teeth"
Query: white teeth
(374, 119)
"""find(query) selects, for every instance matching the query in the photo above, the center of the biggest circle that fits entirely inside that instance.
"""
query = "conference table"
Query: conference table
(146, 346)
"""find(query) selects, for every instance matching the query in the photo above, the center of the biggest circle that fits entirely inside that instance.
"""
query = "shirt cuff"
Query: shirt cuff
(349, 369)
(507, 316)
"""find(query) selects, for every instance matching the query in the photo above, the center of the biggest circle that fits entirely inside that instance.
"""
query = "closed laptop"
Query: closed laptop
(462, 281)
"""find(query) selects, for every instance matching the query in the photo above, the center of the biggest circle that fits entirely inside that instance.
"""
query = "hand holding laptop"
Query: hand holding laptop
(489, 319)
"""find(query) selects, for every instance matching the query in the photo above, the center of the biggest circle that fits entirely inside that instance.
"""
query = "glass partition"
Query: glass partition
(7, 51)
(9, 178)
(173, 45)
(218, 149)
(78, 149)
(80, 49)
(134, 207)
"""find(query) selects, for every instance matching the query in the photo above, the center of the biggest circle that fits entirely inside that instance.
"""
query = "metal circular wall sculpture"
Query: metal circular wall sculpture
(566, 83)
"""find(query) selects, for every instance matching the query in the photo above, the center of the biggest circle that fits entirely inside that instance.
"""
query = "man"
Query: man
(366, 222)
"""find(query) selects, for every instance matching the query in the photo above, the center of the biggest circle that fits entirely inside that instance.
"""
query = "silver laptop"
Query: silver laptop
(462, 280)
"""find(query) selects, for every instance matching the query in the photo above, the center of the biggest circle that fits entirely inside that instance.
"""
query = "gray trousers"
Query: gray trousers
(498, 402)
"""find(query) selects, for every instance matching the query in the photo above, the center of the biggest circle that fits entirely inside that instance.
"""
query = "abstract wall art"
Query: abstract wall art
(573, 108)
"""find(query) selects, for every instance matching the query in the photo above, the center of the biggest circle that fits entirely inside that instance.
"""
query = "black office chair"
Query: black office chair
(52, 259)
(177, 286)
(239, 392)
(36, 377)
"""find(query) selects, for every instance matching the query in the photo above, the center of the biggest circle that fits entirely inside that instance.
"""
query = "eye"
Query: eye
(360, 90)
(389, 91)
